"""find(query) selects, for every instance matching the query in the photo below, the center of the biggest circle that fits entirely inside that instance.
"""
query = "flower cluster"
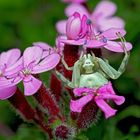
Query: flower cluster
(15, 68)
(78, 70)
(81, 31)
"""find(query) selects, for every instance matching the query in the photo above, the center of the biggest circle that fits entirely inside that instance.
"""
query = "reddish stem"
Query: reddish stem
(55, 83)
(44, 127)
(20, 103)
(46, 100)
(55, 86)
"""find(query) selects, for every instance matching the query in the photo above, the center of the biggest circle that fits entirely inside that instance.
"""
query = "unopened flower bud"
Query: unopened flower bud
(64, 132)
(73, 26)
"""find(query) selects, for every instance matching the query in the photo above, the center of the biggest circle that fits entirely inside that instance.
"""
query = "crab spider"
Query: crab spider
(93, 72)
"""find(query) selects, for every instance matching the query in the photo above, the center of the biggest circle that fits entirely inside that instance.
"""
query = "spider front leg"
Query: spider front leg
(127, 55)
(65, 64)
(109, 70)
(64, 79)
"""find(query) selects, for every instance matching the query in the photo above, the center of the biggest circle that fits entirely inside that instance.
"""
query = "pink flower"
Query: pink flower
(9, 62)
(99, 96)
(74, 1)
(80, 31)
(35, 60)
(76, 27)
(101, 17)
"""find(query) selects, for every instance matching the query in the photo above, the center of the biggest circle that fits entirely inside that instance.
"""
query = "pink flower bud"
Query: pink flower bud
(73, 27)
(63, 131)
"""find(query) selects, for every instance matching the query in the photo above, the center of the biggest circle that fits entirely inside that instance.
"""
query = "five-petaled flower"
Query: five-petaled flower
(99, 96)
(80, 31)
(35, 60)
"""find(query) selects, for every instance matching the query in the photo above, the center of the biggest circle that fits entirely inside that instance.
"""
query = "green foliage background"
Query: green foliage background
(25, 21)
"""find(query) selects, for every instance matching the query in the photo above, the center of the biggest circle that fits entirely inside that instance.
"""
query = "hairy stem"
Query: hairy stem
(22, 106)
(47, 101)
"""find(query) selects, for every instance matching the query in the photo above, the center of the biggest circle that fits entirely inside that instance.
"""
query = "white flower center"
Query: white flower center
(26, 71)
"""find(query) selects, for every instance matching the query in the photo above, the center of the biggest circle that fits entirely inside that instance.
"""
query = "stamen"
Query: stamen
(105, 39)
(88, 22)
(26, 71)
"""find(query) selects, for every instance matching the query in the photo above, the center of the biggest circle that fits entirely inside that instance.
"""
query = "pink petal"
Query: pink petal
(117, 99)
(108, 111)
(32, 55)
(4, 83)
(94, 44)
(42, 45)
(77, 105)
(47, 64)
(47, 49)
(73, 26)
(72, 8)
(73, 42)
(107, 88)
(113, 22)
(10, 57)
(104, 9)
(82, 90)
(15, 68)
(117, 46)
(61, 26)
(7, 92)
(84, 25)
(111, 33)
(31, 85)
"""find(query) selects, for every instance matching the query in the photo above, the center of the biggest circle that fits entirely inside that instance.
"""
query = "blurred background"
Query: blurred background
(23, 22)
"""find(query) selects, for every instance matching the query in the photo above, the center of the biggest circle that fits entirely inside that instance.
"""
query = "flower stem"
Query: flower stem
(22, 106)
(47, 101)
(20, 103)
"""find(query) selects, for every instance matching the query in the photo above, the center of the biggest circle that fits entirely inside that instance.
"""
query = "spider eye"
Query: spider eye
(87, 62)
